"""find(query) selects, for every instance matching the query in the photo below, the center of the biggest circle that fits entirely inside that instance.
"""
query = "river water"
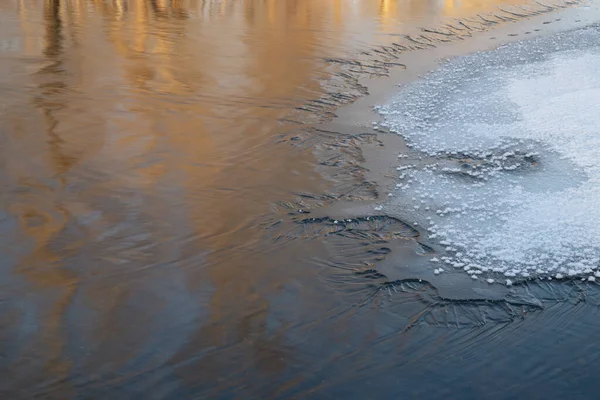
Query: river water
(157, 158)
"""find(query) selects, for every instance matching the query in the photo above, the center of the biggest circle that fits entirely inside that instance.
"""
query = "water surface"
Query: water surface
(148, 149)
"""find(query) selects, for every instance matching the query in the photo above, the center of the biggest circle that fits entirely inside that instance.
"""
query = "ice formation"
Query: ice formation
(512, 189)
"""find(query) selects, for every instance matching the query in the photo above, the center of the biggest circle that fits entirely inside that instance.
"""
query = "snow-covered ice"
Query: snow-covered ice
(513, 186)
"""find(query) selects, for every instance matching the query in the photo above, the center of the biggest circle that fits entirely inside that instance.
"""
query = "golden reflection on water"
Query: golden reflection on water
(138, 149)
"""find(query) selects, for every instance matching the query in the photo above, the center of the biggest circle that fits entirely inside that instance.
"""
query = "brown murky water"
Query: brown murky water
(145, 148)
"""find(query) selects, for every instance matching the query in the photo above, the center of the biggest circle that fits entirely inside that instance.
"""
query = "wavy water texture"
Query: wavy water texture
(147, 146)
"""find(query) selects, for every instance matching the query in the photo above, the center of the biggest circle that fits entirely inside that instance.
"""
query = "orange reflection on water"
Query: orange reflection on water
(139, 152)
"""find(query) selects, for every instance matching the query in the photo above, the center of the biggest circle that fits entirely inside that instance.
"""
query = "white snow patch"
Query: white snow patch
(514, 138)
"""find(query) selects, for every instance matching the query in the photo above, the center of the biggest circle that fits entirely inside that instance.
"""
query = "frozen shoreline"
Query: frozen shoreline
(381, 162)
